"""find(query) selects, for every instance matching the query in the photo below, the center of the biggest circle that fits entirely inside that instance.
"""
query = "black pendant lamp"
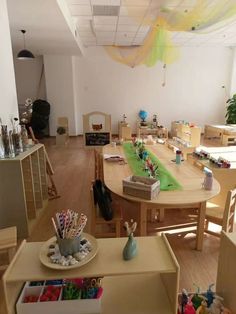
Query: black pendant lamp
(24, 54)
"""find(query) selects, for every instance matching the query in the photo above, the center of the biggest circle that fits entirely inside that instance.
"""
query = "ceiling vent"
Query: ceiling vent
(106, 10)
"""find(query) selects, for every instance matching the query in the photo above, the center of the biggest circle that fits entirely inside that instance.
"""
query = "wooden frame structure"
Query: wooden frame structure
(101, 134)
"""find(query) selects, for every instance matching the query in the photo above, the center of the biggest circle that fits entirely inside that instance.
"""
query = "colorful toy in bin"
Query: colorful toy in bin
(30, 299)
(86, 288)
(201, 303)
(50, 293)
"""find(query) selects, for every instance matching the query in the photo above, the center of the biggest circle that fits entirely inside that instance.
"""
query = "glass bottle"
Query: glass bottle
(5, 140)
(2, 151)
(178, 157)
(12, 153)
(24, 137)
(17, 142)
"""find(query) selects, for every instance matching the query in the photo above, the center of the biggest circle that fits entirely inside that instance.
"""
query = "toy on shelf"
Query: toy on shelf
(201, 303)
(154, 120)
(70, 248)
(143, 116)
(124, 129)
(130, 249)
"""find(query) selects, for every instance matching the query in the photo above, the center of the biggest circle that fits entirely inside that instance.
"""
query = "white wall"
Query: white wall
(193, 90)
(8, 100)
(60, 91)
(28, 73)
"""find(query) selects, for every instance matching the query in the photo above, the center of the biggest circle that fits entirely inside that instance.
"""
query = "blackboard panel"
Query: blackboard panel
(97, 139)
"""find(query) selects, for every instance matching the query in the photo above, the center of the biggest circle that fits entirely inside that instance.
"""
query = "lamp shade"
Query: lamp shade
(25, 54)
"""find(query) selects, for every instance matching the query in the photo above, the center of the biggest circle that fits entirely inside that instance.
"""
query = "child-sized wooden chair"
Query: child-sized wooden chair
(222, 216)
(8, 242)
(100, 227)
(98, 160)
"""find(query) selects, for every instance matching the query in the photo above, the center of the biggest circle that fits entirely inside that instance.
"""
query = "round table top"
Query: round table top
(189, 176)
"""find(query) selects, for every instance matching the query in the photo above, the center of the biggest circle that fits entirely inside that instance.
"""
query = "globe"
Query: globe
(143, 115)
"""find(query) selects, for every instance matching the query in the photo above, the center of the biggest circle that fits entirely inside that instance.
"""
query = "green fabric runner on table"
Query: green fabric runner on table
(167, 181)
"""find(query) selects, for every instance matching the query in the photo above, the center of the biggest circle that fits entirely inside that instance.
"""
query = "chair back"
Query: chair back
(98, 158)
(229, 212)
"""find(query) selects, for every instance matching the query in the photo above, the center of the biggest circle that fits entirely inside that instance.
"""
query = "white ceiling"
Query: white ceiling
(128, 29)
(48, 32)
(46, 29)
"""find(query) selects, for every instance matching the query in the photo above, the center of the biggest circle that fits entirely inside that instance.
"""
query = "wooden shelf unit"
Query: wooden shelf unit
(146, 284)
(96, 138)
(188, 134)
(23, 189)
(159, 132)
(124, 131)
(226, 273)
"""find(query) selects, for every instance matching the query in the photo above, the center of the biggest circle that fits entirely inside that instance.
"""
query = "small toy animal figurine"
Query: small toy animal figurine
(216, 305)
(209, 295)
(203, 307)
(124, 118)
(184, 300)
(130, 249)
(189, 308)
(154, 120)
(196, 299)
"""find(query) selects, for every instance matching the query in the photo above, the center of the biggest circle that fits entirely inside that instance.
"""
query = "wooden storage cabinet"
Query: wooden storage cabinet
(23, 189)
(226, 273)
(124, 131)
(146, 284)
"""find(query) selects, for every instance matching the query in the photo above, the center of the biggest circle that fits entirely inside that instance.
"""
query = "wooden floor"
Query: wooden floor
(74, 171)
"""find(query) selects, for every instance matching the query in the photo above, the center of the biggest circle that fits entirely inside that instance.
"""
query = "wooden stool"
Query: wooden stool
(98, 220)
(8, 242)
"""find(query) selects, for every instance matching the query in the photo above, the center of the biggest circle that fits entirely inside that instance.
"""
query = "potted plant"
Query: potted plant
(231, 110)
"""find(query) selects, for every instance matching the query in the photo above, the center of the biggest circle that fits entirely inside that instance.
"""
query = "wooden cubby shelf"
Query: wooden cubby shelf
(23, 189)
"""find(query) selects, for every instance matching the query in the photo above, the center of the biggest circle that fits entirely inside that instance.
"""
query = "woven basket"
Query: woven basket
(146, 188)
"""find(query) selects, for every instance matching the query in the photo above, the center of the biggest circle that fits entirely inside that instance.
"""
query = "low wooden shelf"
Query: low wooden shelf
(146, 284)
(186, 133)
(124, 131)
(158, 132)
(23, 189)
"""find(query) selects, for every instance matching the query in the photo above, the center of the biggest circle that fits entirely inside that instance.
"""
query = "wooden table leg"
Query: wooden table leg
(143, 219)
(200, 226)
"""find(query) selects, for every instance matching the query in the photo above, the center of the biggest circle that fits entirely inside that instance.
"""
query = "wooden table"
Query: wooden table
(191, 178)
(146, 284)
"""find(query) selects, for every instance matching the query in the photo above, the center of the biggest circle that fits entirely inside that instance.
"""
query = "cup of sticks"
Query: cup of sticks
(68, 227)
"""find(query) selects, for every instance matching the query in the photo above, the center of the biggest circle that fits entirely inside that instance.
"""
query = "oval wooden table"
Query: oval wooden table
(192, 194)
